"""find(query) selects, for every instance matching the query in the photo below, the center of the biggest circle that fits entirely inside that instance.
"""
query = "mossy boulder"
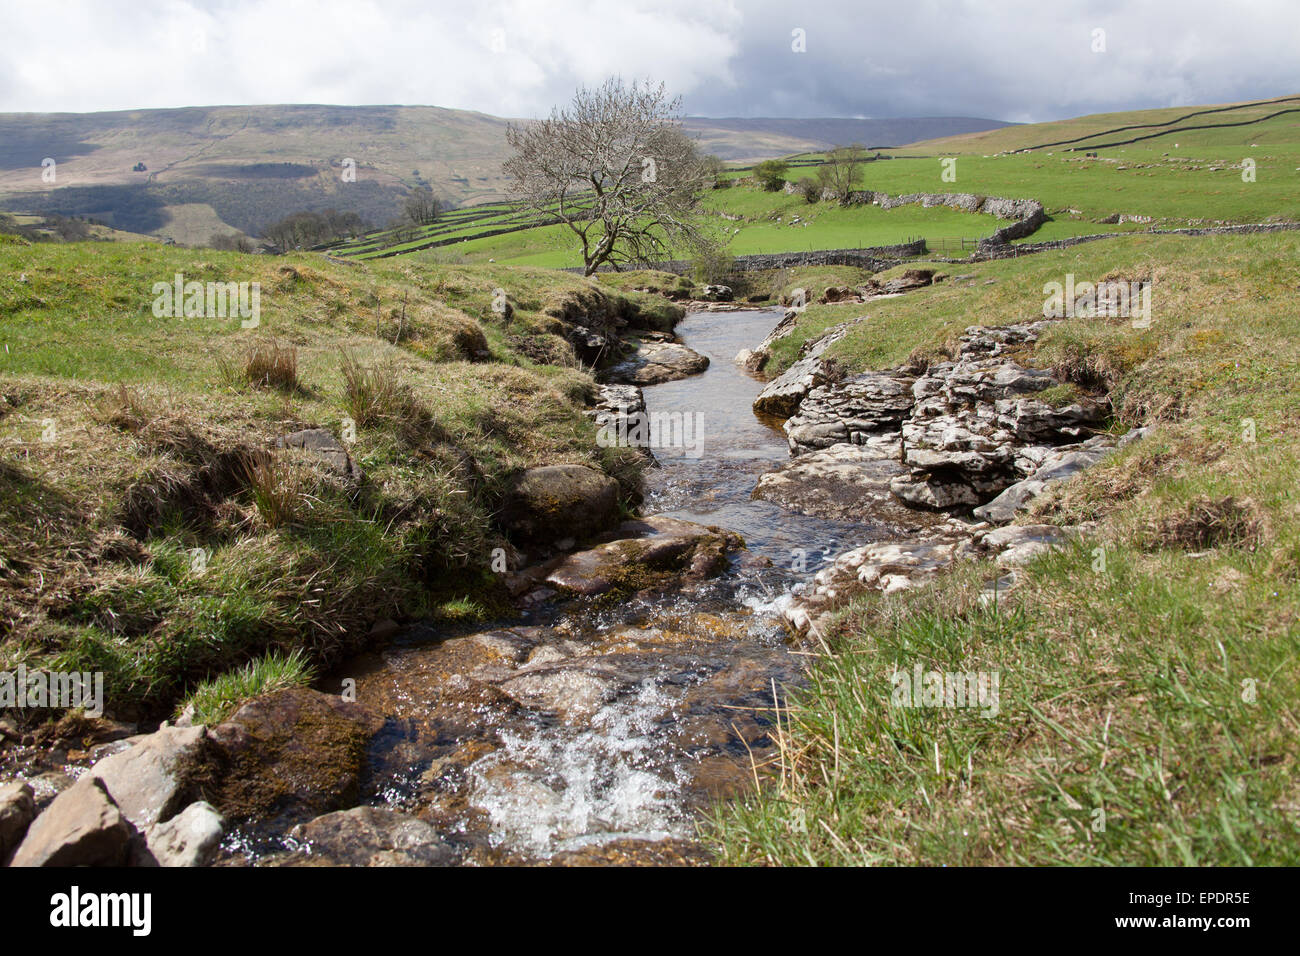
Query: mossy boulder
(296, 752)
(554, 502)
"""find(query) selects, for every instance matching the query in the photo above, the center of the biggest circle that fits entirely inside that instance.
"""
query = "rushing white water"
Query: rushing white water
(557, 787)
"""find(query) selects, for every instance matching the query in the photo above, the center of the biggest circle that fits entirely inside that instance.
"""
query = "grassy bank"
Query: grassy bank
(151, 529)
(1149, 674)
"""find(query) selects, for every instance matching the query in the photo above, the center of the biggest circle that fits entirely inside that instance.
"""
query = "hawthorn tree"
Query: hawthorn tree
(770, 174)
(617, 170)
(842, 171)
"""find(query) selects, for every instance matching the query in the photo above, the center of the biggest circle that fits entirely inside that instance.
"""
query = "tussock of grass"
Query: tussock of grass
(276, 487)
(123, 408)
(1059, 396)
(375, 395)
(1207, 523)
(271, 364)
(215, 700)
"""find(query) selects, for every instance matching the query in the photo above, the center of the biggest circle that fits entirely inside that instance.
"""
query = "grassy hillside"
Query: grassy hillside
(1084, 132)
(742, 139)
(1148, 702)
(129, 444)
(255, 164)
(252, 164)
(1183, 178)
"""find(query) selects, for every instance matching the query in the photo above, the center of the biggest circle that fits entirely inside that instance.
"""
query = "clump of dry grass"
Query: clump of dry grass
(921, 358)
(1208, 523)
(278, 490)
(377, 396)
(266, 364)
(122, 408)
(269, 364)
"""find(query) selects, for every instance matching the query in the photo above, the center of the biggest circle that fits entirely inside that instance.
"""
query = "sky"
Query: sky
(1013, 60)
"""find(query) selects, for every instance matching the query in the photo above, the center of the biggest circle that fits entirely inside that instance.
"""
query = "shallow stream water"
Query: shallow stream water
(653, 710)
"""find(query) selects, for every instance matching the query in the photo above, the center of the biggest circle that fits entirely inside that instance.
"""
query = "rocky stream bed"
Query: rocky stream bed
(635, 686)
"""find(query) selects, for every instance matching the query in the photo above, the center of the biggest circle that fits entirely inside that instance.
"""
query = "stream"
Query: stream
(649, 711)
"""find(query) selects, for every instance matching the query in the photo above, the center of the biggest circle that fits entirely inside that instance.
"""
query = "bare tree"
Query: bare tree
(231, 242)
(617, 170)
(842, 172)
(421, 207)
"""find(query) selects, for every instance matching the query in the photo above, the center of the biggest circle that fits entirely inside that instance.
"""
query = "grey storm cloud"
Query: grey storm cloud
(1007, 59)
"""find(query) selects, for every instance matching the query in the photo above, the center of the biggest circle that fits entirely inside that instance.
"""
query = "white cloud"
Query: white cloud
(1013, 59)
(90, 55)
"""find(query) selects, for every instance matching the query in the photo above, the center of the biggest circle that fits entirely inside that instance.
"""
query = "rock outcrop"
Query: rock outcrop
(967, 429)
(843, 483)
(973, 417)
(913, 453)
(782, 396)
(1049, 467)
(652, 363)
(850, 412)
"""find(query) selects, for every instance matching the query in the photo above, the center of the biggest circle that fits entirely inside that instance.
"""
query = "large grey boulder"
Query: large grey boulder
(154, 779)
(82, 827)
(655, 362)
(371, 836)
(190, 838)
(781, 396)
